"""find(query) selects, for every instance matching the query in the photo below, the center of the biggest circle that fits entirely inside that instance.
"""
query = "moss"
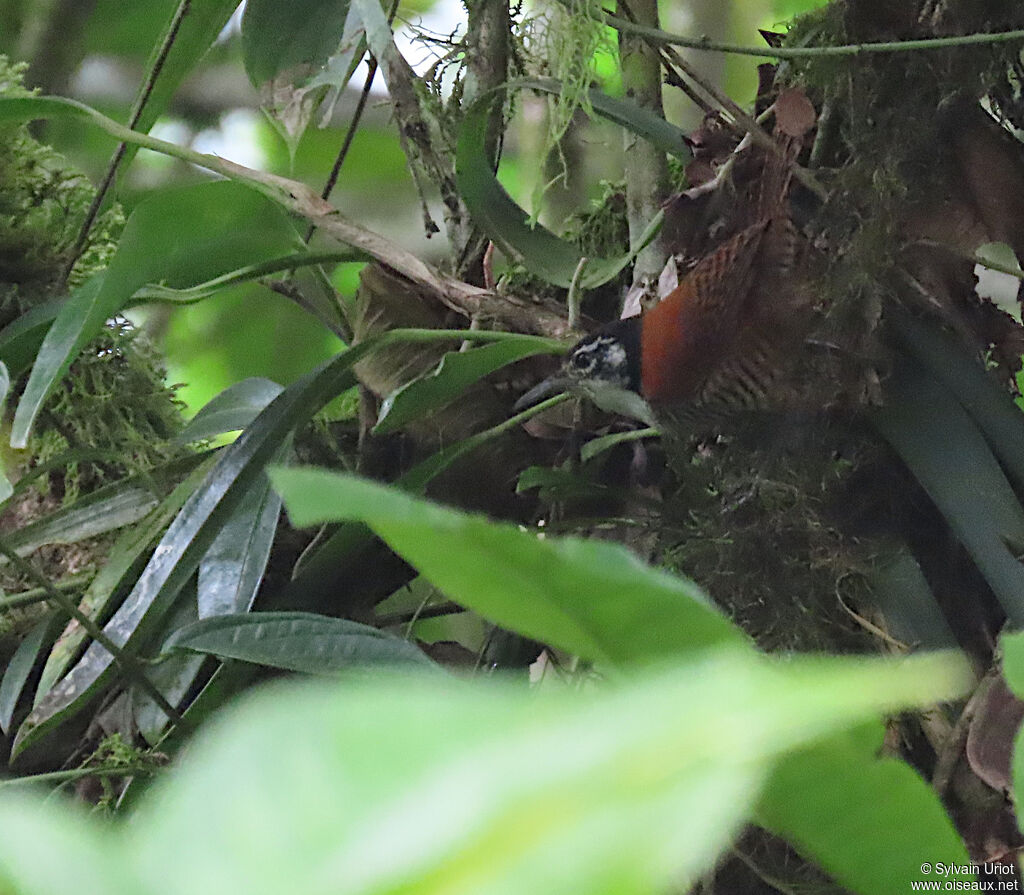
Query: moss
(112, 414)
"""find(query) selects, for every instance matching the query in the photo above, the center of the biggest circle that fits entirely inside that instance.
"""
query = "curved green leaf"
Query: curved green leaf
(594, 599)
(54, 848)
(454, 374)
(234, 408)
(180, 237)
(20, 339)
(491, 789)
(296, 641)
(507, 225)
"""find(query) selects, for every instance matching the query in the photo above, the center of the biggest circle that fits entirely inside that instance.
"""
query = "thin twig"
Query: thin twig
(353, 126)
(404, 618)
(575, 297)
(122, 147)
(131, 666)
(656, 35)
(746, 121)
(39, 594)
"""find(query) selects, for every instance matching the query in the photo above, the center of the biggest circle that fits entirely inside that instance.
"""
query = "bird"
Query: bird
(715, 345)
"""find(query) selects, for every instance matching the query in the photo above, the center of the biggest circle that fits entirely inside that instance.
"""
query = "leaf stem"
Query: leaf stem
(122, 770)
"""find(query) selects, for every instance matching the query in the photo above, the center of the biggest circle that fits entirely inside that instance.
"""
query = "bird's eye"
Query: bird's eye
(579, 361)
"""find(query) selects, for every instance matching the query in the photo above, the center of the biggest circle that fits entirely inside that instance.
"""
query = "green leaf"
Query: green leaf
(20, 339)
(124, 559)
(594, 599)
(49, 848)
(195, 34)
(454, 374)
(297, 641)
(868, 821)
(180, 237)
(232, 570)
(947, 454)
(906, 601)
(234, 408)
(597, 446)
(277, 37)
(947, 359)
(507, 225)
(174, 676)
(189, 536)
(21, 664)
(490, 789)
(107, 509)
(1012, 646)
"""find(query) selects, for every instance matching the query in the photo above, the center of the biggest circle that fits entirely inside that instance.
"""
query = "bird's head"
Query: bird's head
(606, 361)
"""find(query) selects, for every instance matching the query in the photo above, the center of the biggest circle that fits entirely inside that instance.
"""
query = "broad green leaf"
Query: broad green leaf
(277, 37)
(338, 70)
(947, 454)
(227, 680)
(297, 641)
(493, 790)
(507, 225)
(591, 598)
(180, 237)
(124, 559)
(454, 374)
(50, 848)
(231, 571)
(234, 408)
(868, 821)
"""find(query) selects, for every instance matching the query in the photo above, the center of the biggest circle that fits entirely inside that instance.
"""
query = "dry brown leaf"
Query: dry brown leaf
(794, 112)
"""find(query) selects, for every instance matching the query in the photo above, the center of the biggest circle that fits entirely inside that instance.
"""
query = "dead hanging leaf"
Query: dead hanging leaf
(992, 166)
(699, 171)
(991, 735)
(794, 112)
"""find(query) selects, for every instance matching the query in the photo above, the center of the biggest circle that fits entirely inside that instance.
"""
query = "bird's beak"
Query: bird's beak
(550, 386)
